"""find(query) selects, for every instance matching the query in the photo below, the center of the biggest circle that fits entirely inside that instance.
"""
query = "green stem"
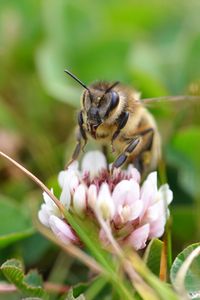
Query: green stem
(95, 288)
(94, 247)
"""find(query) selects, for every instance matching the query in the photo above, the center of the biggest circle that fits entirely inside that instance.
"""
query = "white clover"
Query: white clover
(134, 213)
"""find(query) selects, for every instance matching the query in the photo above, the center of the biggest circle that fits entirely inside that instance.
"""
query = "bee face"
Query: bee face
(98, 105)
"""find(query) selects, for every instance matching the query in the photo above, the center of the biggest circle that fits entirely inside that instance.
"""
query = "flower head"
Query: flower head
(134, 213)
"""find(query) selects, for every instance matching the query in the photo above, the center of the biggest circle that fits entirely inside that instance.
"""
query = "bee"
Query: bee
(113, 114)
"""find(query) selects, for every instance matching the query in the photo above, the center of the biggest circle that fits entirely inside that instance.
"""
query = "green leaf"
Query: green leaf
(96, 286)
(7, 119)
(31, 298)
(192, 278)
(29, 285)
(152, 256)
(70, 296)
(53, 77)
(14, 223)
(185, 224)
(184, 153)
(186, 141)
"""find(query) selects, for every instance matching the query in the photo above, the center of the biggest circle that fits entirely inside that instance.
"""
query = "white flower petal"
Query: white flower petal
(139, 236)
(165, 194)
(62, 230)
(73, 182)
(48, 200)
(104, 203)
(65, 196)
(93, 162)
(66, 174)
(79, 199)
(43, 215)
(50, 206)
(92, 196)
(61, 178)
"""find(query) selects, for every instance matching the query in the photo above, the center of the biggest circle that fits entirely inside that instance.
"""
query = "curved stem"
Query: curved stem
(35, 179)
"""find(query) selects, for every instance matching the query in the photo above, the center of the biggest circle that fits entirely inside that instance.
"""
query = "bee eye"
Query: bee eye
(86, 100)
(113, 102)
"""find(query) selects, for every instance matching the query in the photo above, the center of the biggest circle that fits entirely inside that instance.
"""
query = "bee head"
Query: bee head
(98, 101)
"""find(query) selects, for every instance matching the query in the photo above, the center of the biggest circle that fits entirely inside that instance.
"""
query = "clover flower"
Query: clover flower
(135, 213)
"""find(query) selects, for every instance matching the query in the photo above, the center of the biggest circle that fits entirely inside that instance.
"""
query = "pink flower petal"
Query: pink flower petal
(134, 192)
(149, 191)
(62, 230)
(136, 209)
(125, 192)
(157, 228)
(134, 173)
(154, 212)
(138, 237)
(103, 238)
(129, 212)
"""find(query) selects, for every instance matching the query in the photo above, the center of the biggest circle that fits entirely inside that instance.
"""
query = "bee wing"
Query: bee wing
(184, 110)
(150, 101)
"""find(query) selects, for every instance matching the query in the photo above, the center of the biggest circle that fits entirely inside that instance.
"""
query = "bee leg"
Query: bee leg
(121, 122)
(79, 147)
(81, 140)
(129, 150)
(146, 146)
(123, 157)
(142, 161)
(80, 123)
(142, 157)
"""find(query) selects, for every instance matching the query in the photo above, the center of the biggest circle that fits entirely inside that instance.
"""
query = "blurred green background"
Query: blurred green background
(151, 45)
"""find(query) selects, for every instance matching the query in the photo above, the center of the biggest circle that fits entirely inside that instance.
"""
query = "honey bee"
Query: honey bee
(114, 115)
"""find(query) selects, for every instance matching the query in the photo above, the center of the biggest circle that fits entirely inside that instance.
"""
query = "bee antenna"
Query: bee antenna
(111, 87)
(79, 81)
